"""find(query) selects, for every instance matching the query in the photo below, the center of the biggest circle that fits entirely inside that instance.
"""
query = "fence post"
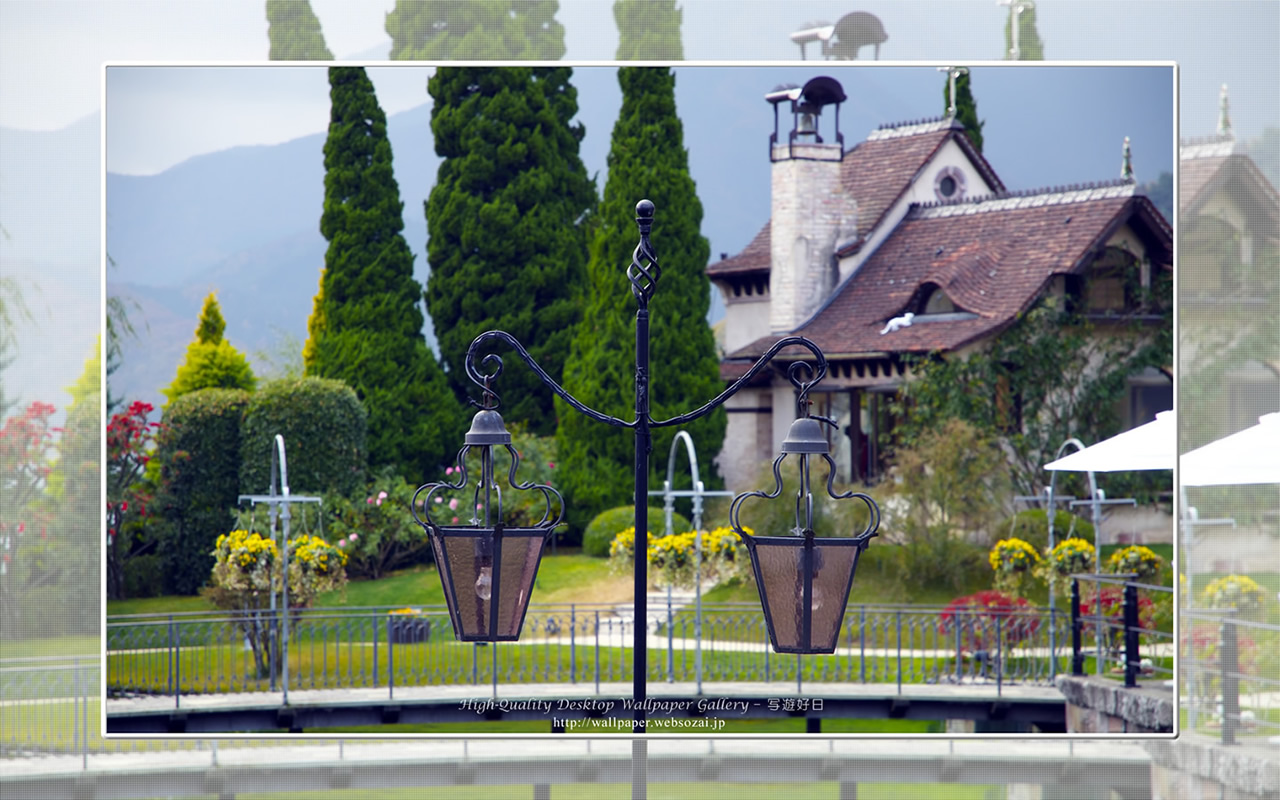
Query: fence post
(670, 640)
(597, 632)
(1077, 626)
(391, 660)
(573, 643)
(1131, 658)
(898, 618)
(862, 644)
(999, 658)
(1230, 680)
(375, 649)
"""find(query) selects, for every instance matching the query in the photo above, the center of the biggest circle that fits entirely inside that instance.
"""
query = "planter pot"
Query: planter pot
(409, 630)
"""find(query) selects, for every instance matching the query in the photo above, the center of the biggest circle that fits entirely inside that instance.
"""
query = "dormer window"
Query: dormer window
(949, 184)
(937, 302)
(931, 299)
(1114, 283)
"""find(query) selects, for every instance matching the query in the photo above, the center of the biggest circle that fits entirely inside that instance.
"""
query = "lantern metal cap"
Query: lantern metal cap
(806, 436)
(487, 428)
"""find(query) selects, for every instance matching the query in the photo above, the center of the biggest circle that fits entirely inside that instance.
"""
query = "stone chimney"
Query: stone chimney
(810, 209)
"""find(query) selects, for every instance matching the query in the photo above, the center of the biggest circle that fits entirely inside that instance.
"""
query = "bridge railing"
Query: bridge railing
(1229, 668)
(1116, 620)
(585, 644)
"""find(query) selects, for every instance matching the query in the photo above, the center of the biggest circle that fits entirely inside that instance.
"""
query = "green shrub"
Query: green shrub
(1033, 527)
(199, 453)
(608, 524)
(144, 576)
(324, 427)
(375, 528)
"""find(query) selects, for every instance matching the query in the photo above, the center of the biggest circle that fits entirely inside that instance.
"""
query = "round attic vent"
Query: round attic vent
(949, 184)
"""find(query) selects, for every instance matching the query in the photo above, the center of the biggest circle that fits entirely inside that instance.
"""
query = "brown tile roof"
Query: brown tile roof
(1193, 176)
(992, 257)
(876, 173)
(755, 257)
(1199, 177)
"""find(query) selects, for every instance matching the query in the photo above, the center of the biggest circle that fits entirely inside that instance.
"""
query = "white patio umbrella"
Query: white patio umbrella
(1251, 456)
(1149, 446)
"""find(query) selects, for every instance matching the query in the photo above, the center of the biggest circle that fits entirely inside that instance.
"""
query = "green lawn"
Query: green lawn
(567, 578)
(51, 647)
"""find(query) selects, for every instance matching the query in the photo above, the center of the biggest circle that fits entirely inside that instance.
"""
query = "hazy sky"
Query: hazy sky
(157, 116)
(50, 52)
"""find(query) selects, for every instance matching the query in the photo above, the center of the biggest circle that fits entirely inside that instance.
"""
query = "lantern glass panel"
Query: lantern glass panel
(832, 579)
(469, 560)
(519, 565)
(780, 584)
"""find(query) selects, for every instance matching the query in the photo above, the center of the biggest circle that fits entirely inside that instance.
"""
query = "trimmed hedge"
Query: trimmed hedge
(324, 427)
(608, 524)
(200, 478)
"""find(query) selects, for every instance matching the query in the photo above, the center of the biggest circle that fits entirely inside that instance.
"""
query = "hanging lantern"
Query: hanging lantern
(487, 568)
(804, 579)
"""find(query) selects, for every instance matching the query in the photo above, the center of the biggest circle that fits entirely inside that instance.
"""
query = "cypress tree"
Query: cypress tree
(295, 32)
(966, 108)
(212, 325)
(1030, 48)
(479, 30)
(211, 362)
(648, 30)
(506, 220)
(647, 159)
(371, 338)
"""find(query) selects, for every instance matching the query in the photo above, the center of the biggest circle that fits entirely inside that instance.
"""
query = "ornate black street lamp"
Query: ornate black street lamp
(804, 580)
(488, 568)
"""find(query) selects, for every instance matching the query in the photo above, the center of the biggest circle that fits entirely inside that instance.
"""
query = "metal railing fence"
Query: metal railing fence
(1229, 667)
(1123, 624)
(588, 644)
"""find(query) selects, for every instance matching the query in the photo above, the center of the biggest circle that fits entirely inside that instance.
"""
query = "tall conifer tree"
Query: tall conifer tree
(648, 30)
(647, 159)
(1030, 48)
(966, 108)
(372, 333)
(506, 222)
(295, 32)
(476, 30)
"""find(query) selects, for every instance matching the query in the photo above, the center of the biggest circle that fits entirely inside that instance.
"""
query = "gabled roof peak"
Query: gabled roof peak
(916, 127)
(1215, 146)
(1025, 198)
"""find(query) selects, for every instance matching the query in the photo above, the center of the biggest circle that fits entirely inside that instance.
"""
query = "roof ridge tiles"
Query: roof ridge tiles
(996, 201)
(914, 127)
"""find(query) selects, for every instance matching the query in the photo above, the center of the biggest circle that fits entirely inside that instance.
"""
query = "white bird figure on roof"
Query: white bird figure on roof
(903, 321)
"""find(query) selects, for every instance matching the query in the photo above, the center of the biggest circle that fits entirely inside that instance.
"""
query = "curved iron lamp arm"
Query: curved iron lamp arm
(719, 400)
(485, 381)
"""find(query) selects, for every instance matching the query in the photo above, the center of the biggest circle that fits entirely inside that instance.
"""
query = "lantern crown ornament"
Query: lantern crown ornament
(487, 567)
(805, 579)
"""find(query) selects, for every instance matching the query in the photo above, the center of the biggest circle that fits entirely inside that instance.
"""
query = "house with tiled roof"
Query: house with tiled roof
(1229, 283)
(904, 245)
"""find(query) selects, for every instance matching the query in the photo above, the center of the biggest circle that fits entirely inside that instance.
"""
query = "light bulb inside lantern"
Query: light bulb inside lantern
(817, 598)
(484, 584)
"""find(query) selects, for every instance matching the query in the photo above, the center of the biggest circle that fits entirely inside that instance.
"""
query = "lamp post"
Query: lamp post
(463, 554)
